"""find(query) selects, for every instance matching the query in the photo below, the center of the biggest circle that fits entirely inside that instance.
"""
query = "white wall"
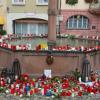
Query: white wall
(80, 5)
(13, 16)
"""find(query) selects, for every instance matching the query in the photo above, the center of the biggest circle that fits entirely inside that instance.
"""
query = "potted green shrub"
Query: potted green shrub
(71, 2)
(3, 32)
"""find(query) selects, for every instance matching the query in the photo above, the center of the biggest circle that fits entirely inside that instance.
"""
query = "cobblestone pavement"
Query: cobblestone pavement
(10, 97)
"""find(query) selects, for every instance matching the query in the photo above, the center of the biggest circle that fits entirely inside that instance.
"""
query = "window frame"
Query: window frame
(38, 3)
(1, 27)
(77, 23)
(18, 3)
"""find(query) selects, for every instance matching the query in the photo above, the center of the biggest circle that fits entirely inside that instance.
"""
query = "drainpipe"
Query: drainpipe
(58, 16)
(52, 14)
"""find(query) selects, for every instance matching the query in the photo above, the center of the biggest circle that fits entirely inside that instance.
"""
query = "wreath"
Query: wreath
(49, 59)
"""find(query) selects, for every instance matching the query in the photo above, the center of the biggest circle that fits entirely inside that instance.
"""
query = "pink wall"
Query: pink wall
(94, 21)
(36, 64)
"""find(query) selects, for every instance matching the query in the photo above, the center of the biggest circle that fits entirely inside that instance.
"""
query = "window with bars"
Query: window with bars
(18, 2)
(78, 22)
(42, 2)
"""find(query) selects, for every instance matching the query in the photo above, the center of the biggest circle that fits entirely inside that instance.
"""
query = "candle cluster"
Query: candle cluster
(52, 87)
(40, 47)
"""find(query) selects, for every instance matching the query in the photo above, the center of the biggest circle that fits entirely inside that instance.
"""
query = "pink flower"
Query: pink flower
(2, 83)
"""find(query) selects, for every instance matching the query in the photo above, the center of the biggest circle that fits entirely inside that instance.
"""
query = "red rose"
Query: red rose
(94, 91)
(82, 85)
(89, 89)
(50, 86)
(17, 90)
(17, 81)
(45, 89)
(36, 90)
(80, 93)
(25, 76)
(42, 83)
(55, 90)
(69, 93)
(65, 85)
(63, 93)
(12, 91)
(31, 92)
(76, 89)
(32, 82)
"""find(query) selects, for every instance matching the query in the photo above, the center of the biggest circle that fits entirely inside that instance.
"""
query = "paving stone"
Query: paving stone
(11, 97)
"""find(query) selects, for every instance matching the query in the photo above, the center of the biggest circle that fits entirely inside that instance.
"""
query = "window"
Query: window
(78, 22)
(18, 2)
(93, 27)
(42, 2)
(24, 28)
(33, 28)
(18, 28)
(42, 28)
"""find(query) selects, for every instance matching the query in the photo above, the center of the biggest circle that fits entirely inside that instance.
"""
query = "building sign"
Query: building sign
(30, 14)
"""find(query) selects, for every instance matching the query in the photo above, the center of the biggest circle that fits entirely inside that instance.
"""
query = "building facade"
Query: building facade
(25, 16)
(3, 15)
(31, 16)
(82, 18)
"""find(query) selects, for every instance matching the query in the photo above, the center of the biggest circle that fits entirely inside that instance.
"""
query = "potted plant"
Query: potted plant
(71, 2)
(3, 32)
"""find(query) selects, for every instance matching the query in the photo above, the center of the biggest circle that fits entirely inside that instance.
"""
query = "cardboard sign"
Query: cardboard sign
(47, 73)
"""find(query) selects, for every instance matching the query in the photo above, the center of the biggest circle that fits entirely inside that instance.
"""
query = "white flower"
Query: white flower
(20, 95)
(28, 94)
(17, 85)
(16, 77)
(52, 96)
(12, 86)
(7, 91)
(91, 93)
